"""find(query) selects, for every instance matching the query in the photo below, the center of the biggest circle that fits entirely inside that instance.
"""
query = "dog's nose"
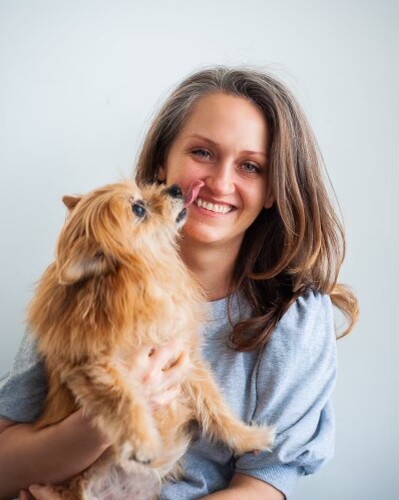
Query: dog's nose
(175, 191)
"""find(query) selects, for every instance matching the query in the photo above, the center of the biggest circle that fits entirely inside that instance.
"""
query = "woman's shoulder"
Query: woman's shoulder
(309, 307)
(308, 323)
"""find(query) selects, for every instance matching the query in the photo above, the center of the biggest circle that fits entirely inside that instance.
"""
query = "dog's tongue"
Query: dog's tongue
(192, 192)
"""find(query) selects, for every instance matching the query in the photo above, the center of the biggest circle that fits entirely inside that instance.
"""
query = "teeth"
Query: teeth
(213, 207)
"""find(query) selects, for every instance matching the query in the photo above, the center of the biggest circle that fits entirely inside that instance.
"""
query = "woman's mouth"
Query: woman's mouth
(191, 197)
(217, 208)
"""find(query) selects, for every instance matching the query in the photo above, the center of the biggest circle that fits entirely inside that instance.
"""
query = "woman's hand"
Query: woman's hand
(161, 372)
(39, 493)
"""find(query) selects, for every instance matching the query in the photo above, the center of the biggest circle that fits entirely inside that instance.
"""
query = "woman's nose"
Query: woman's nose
(220, 179)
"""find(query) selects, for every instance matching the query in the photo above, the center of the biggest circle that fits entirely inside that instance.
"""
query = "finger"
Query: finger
(43, 492)
(165, 398)
(162, 387)
(159, 381)
(162, 358)
(158, 363)
(144, 351)
(181, 362)
(24, 495)
(139, 360)
(177, 372)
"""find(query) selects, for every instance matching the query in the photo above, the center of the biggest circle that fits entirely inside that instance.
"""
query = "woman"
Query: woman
(264, 241)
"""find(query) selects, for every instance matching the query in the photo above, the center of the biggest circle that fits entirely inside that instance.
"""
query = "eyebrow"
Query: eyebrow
(215, 144)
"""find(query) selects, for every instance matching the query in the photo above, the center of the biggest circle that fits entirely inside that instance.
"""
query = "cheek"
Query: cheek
(255, 195)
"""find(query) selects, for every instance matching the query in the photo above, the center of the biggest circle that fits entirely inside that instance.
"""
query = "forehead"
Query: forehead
(227, 117)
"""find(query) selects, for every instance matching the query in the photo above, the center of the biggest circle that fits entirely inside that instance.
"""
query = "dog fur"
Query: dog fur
(117, 285)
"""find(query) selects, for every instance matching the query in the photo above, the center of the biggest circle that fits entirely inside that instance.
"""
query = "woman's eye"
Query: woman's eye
(202, 153)
(138, 209)
(251, 168)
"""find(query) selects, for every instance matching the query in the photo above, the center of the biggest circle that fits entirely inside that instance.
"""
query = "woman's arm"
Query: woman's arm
(57, 452)
(243, 487)
(48, 455)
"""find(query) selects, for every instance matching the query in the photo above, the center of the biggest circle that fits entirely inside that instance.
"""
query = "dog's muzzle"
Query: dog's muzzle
(176, 193)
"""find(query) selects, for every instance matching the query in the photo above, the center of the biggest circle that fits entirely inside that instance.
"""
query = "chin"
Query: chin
(203, 234)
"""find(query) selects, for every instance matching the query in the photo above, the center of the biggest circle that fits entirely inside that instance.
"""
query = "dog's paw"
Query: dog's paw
(254, 439)
(144, 451)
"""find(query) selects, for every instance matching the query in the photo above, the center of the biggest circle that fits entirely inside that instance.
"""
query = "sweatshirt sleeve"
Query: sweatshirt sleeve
(295, 378)
(23, 389)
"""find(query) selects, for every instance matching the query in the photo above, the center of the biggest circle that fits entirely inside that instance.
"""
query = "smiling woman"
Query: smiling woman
(267, 246)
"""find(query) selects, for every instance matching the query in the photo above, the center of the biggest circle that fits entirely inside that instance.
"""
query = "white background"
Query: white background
(79, 81)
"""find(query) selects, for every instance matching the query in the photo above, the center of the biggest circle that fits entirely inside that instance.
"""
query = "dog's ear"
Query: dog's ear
(71, 201)
(78, 254)
(87, 247)
(80, 264)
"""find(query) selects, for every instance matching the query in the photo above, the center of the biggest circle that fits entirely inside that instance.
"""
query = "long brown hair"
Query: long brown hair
(296, 245)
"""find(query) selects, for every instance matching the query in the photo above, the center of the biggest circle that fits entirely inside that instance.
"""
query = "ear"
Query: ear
(71, 201)
(269, 199)
(79, 267)
(161, 175)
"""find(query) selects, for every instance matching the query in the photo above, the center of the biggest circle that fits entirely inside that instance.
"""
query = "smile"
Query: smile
(213, 207)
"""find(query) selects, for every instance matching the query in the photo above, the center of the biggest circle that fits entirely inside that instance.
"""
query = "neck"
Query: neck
(212, 266)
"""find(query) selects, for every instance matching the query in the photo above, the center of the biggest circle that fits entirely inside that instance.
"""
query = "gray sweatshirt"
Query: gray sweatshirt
(288, 385)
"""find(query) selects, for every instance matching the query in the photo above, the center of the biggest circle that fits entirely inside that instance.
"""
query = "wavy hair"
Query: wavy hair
(297, 244)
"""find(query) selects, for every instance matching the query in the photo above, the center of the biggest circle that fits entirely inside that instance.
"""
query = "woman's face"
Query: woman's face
(224, 143)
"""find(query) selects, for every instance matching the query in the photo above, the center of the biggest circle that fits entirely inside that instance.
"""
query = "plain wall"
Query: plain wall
(79, 82)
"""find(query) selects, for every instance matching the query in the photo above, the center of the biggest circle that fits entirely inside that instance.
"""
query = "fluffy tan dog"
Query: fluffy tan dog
(118, 284)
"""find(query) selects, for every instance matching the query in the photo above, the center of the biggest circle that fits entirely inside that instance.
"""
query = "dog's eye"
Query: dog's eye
(138, 209)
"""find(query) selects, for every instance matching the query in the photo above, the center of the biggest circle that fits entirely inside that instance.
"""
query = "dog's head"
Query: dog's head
(114, 225)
